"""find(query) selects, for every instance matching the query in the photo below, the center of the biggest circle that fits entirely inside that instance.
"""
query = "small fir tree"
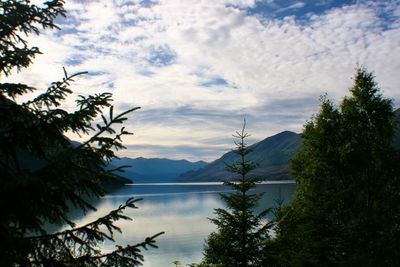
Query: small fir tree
(42, 173)
(240, 231)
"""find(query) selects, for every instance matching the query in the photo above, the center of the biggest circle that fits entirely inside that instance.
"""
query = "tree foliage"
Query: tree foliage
(42, 173)
(346, 207)
(18, 20)
(241, 231)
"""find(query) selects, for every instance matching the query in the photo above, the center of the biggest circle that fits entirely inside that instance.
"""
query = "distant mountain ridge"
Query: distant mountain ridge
(153, 170)
(271, 154)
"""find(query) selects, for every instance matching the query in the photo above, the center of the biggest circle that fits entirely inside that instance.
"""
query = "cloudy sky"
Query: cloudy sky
(197, 68)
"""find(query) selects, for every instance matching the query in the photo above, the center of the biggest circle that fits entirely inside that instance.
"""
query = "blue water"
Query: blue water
(181, 211)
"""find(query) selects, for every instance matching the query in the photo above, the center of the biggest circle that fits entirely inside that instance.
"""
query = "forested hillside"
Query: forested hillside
(272, 156)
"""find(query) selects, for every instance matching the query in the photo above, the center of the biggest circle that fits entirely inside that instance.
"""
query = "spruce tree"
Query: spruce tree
(346, 207)
(42, 173)
(241, 231)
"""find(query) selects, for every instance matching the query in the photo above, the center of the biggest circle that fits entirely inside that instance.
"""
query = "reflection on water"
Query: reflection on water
(181, 211)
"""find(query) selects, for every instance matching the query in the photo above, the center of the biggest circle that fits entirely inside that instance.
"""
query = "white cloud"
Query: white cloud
(262, 61)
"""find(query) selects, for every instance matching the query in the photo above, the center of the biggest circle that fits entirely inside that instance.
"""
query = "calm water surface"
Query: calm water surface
(181, 211)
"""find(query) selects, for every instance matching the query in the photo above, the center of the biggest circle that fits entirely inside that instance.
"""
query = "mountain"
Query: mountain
(155, 170)
(271, 154)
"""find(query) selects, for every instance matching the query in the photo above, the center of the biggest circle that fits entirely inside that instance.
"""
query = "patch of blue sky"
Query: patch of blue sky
(387, 11)
(75, 60)
(148, 3)
(130, 21)
(110, 86)
(145, 72)
(96, 73)
(72, 20)
(68, 25)
(134, 20)
(66, 30)
(216, 81)
(300, 10)
(161, 55)
(108, 38)
(91, 48)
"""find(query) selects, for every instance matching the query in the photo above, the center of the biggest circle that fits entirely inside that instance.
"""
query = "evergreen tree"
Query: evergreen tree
(346, 207)
(240, 231)
(42, 174)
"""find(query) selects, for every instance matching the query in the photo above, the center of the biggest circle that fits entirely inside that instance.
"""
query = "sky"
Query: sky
(197, 68)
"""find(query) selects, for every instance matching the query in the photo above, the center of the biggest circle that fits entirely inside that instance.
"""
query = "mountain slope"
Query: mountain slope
(271, 154)
(144, 170)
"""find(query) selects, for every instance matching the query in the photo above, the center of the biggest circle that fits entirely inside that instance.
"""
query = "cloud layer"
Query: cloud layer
(197, 68)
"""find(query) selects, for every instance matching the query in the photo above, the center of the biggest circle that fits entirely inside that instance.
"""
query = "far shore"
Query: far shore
(211, 183)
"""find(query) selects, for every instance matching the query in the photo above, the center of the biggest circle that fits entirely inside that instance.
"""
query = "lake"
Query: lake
(181, 211)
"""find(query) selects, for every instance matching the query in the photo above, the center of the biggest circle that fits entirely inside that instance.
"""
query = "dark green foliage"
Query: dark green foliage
(42, 173)
(347, 203)
(396, 141)
(240, 232)
(19, 19)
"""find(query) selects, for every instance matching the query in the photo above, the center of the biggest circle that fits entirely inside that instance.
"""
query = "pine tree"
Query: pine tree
(241, 232)
(42, 173)
(346, 207)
